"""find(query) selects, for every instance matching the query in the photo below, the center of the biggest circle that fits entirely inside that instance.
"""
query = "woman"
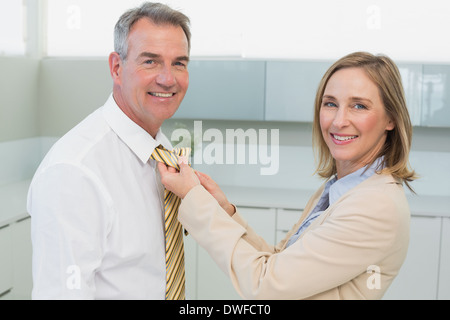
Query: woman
(353, 235)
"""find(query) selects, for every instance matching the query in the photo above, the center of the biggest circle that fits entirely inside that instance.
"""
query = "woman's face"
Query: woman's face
(353, 120)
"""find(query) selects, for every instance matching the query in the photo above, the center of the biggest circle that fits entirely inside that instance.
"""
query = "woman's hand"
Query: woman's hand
(213, 188)
(180, 183)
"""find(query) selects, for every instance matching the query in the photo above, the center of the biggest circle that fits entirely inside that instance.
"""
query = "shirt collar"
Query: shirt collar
(135, 137)
(341, 186)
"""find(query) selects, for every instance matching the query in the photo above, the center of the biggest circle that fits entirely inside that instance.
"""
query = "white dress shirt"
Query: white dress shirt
(96, 204)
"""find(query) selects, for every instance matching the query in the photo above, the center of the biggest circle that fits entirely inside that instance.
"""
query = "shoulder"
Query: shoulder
(78, 142)
(376, 211)
(380, 197)
(379, 202)
(73, 155)
(381, 188)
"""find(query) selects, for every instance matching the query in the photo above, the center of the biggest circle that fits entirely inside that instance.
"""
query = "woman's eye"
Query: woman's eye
(329, 104)
(360, 106)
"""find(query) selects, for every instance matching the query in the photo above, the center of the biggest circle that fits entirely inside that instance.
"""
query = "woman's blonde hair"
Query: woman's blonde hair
(386, 76)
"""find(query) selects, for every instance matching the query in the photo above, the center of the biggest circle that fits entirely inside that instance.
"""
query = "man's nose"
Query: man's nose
(166, 77)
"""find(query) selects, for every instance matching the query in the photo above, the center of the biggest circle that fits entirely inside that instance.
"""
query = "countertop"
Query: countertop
(13, 200)
(421, 205)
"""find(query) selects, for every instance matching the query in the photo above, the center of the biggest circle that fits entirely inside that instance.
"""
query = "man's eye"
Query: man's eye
(149, 61)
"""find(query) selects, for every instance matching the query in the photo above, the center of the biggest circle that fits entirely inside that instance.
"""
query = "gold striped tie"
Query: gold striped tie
(175, 277)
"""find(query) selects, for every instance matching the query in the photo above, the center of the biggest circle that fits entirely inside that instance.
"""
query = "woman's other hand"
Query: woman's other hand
(213, 188)
(180, 183)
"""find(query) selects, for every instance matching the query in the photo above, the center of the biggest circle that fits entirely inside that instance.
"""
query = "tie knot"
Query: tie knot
(170, 158)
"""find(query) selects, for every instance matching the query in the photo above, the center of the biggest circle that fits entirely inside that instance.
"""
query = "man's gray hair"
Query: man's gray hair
(158, 13)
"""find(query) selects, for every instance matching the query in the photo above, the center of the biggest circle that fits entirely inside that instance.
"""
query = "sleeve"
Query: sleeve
(69, 221)
(327, 256)
(251, 236)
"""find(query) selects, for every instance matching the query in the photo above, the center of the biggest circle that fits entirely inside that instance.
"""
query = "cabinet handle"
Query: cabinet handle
(3, 227)
(5, 293)
(23, 219)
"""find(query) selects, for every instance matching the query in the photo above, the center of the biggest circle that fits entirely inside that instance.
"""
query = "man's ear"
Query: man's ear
(115, 67)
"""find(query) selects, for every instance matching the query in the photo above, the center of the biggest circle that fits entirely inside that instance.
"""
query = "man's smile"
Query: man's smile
(161, 94)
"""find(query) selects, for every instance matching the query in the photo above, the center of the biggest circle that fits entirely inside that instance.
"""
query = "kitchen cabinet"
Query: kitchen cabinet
(286, 219)
(436, 96)
(412, 84)
(444, 268)
(291, 89)
(224, 90)
(15, 256)
(22, 253)
(190, 262)
(6, 267)
(418, 276)
(212, 282)
(292, 86)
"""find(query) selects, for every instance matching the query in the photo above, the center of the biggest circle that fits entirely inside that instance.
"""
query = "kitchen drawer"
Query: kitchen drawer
(6, 269)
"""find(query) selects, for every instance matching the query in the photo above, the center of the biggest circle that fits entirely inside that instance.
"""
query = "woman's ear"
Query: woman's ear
(390, 125)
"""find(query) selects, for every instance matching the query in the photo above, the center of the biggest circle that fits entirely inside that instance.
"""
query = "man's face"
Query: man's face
(154, 78)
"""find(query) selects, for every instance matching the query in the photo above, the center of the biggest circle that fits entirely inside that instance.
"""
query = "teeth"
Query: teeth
(344, 138)
(161, 95)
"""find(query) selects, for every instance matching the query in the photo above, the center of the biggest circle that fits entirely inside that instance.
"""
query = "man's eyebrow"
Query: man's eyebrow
(183, 58)
(148, 55)
(155, 56)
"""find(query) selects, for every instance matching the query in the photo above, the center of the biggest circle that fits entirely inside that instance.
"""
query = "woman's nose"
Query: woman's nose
(341, 118)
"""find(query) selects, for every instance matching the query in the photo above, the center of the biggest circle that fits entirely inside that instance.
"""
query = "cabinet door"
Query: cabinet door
(418, 277)
(22, 252)
(213, 284)
(190, 258)
(229, 90)
(6, 267)
(436, 96)
(286, 219)
(444, 268)
(411, 78)
(291, 89)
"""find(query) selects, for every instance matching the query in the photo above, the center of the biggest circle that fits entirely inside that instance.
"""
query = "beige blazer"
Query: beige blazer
(353, 250)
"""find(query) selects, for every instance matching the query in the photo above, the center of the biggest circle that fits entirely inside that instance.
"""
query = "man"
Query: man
(96, 202)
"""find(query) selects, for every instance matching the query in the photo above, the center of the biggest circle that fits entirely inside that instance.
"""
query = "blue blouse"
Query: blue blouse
(334, 189)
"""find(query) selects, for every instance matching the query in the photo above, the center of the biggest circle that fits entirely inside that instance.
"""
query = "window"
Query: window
(288, 29)
(12, 27)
